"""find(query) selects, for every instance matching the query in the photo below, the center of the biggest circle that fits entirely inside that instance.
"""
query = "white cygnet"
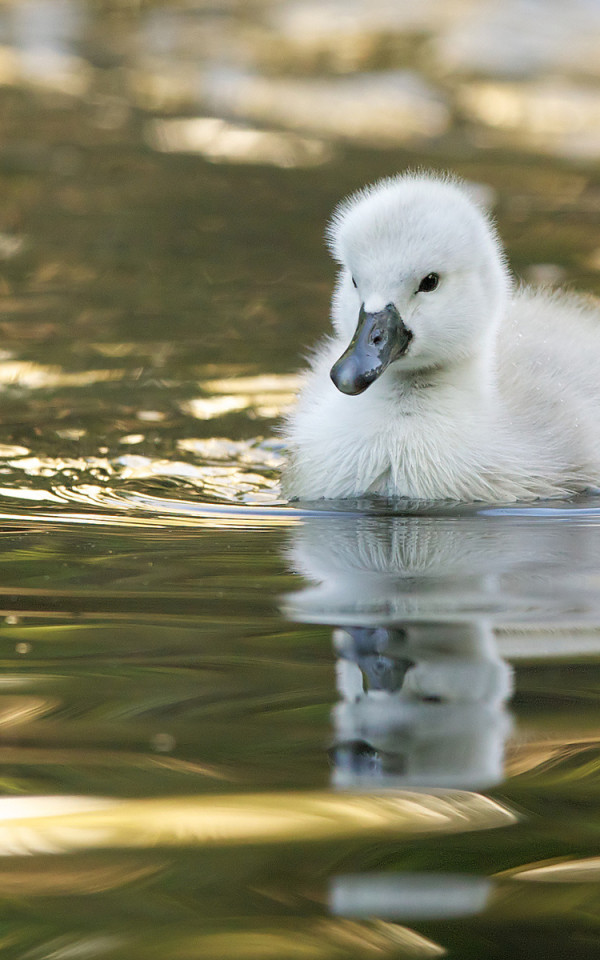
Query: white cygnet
(441, 380)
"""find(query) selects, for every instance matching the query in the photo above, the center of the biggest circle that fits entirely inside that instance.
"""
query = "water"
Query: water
(181, 777)
(233, 727)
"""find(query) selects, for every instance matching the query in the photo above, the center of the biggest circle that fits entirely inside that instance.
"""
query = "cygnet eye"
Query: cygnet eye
(429, 283)
(354, 282)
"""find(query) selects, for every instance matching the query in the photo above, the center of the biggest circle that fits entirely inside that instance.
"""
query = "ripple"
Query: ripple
(586, 870)
(268, 396)
(219, 472)
(55, 824)
(38, 376)
(214, 480)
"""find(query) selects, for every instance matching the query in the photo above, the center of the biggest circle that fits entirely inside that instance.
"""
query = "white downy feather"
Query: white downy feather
(497, 397)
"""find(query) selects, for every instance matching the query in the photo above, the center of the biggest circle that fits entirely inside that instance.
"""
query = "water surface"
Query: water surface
(230, 726)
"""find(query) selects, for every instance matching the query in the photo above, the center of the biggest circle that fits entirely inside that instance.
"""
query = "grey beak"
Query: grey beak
(380, 338)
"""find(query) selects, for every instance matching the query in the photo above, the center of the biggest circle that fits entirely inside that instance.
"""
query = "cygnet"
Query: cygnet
(443, 379)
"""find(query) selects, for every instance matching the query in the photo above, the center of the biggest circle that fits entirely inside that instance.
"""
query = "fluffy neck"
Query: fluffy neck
(468, 382)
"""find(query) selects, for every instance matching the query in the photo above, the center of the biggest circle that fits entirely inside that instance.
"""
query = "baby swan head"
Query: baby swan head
(423, 281)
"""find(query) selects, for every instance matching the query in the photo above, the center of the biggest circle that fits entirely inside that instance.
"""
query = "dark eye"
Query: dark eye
(353, 281)
(429, 283)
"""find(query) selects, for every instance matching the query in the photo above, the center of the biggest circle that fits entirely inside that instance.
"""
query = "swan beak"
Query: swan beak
(380, 338)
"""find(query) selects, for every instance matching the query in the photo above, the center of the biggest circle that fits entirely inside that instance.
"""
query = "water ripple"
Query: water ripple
(211, 480)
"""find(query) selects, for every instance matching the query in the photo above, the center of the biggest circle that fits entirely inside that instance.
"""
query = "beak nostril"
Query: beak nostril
(380, 339)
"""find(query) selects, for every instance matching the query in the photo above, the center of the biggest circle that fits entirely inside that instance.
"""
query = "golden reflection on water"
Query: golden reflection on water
(169, 514)
(37, 756)
(549, 115)
(16, 711)
(221, 141)
(316, 940)
(305, 939)
(227, 470)
(379, 108)
(243, 471)
(208, 408)
(377, 73)
(267, 396)
(57, 824)
(64, 877)
(37, 376)
(586, 870)
(542, 755)
(264, 383)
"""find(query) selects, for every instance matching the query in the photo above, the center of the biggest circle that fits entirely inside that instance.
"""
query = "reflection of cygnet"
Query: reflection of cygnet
(420, 604)
(436, 661)
(438, 722)
(469, 390)
(378, 570)
(409, 896)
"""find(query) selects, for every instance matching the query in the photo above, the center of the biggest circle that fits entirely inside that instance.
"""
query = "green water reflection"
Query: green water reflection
(140, 666)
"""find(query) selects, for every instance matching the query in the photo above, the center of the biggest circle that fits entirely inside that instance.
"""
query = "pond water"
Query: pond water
(233, 727)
